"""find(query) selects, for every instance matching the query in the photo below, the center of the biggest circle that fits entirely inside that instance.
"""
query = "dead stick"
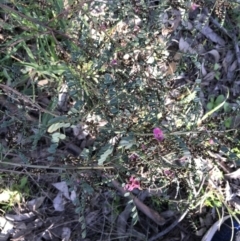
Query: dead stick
(65, 167)
(155, 216)
(168, 229)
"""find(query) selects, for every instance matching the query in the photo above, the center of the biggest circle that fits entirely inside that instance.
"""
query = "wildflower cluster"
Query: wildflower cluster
(133, 183)
(158, 134)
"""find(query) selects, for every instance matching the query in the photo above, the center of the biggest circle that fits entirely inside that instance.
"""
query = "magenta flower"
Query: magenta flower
(143, 147)
(134, 157)
(194, 6)
(114, 62)
(158, 134)
(133, 183)
(103, 27)
(169, 173)
(211, 141)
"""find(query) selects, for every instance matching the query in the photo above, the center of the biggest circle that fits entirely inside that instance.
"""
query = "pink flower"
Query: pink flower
(133, 183)
(103, 27)
(114, 62)
(194, 6)
(143, 147)
(182, 161)
(211, 141)
(158, 134)
(134, 157)
(169, 173)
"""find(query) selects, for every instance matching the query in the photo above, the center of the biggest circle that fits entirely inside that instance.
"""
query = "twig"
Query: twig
(55, 168)
(13, 108)
(153, 215)
(237, 51)
(217, 24)
(23, 172)
(26, 99)
(168, 229)
(175, 223)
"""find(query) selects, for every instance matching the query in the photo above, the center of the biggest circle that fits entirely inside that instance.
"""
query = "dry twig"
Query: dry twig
(153, 215)
(26, 99)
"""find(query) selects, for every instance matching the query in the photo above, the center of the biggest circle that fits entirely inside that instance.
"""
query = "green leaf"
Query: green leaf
(87, 188)
(105, 155)
(85, 153)
(216, 66)
(83, 226)
(209, 105)
(50, 158)
(29, 52)
(213, 110)
(108, 79)
(228, 122)
(56, 135)
(219, 99)
(135, 214)
(114, 110)
(227, 107)
(127, 142)
(55, 139)
(134, 209)
(23, 182)
(84, 234)
(52, 148)
(57, 126)
(62, 136)
(134, 217)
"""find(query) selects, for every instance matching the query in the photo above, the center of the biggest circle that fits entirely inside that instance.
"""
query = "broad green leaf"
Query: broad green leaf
(105, 155)
(52, 148)
(127, 142)
(57, 126)
(50, 158)
(219, 99)
(213, 110)
(209, 105)
(83, 225)
(227, 107)
(62, 136)
(228, 122)
(108, 79)
(84, 234)
(55, 140)
(50, 70)
(56, 135)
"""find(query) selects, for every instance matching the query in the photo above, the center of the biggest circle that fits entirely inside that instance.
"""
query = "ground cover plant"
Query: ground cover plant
(119, 120)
